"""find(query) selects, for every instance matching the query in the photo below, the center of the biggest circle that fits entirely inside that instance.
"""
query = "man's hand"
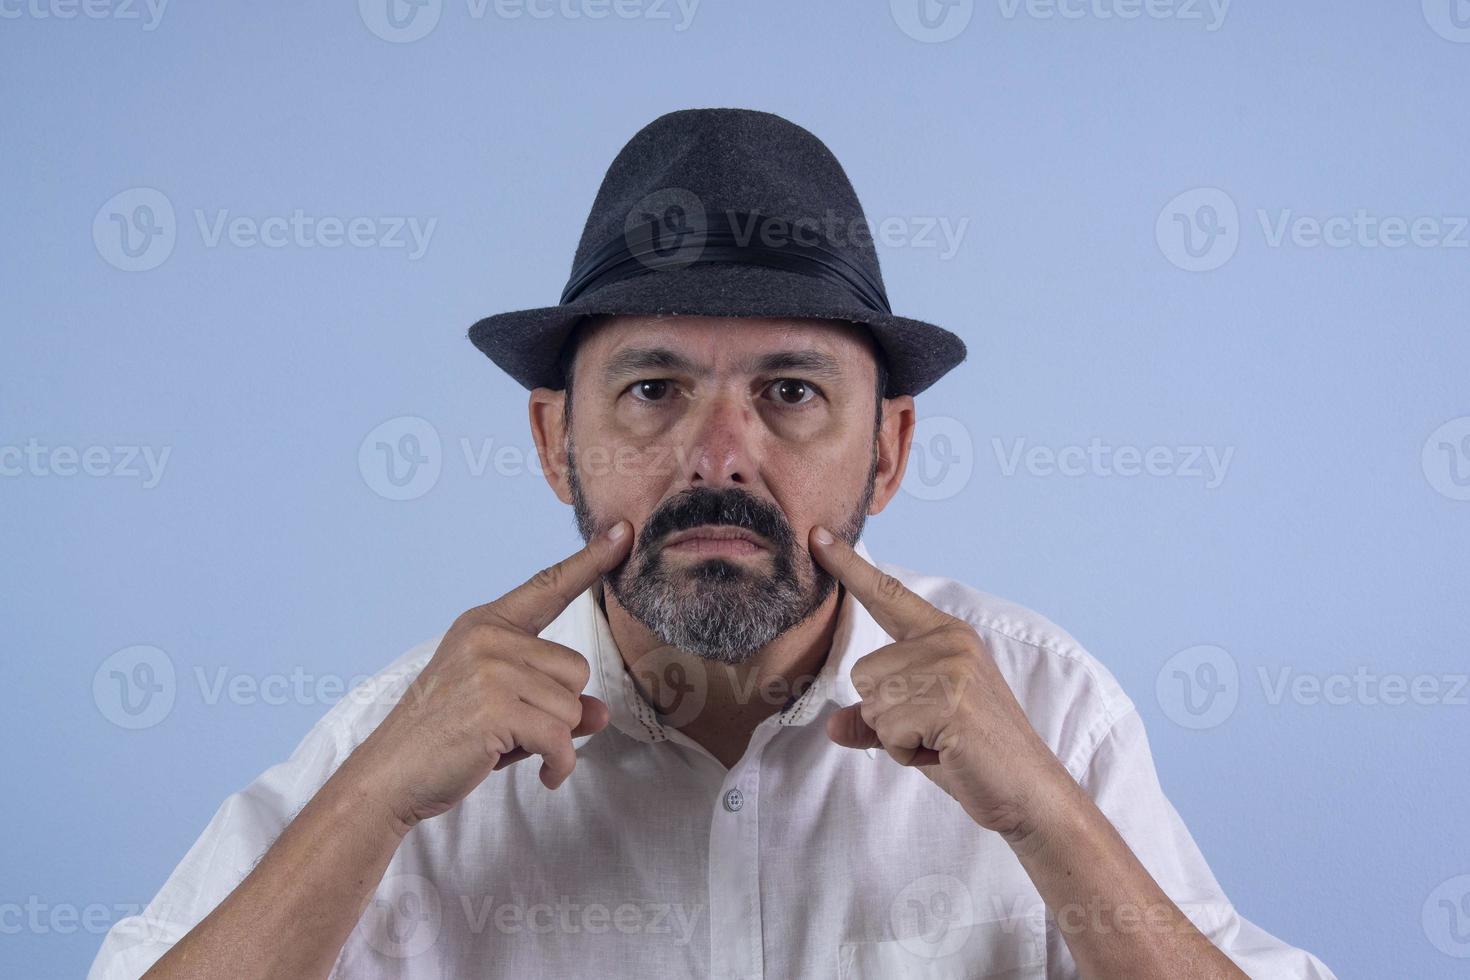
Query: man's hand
(492, 694)
(935, 699)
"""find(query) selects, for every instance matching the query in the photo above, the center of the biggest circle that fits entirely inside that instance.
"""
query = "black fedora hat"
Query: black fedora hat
(722, 212)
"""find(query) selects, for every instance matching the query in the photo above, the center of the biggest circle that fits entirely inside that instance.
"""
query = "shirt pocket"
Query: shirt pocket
(1011, 947)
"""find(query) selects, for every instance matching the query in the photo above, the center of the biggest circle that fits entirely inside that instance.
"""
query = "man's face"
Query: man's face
(723, 442)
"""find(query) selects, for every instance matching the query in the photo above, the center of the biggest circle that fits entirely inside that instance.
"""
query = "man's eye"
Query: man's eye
(651, 390)
(790, 391)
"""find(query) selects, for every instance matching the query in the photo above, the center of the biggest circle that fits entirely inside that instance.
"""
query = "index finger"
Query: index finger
(532, 605)
(903, 614)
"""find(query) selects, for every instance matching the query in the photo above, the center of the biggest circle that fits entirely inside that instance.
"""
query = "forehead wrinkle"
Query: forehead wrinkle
(633, 360)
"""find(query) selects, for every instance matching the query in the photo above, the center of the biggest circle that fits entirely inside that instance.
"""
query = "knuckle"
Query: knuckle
(481, 637)
(549, 577)
(889, 587)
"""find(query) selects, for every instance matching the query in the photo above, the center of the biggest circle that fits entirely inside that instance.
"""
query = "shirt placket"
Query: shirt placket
(736, 945)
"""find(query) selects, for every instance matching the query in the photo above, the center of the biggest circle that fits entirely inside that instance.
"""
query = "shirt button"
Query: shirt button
(734, 800)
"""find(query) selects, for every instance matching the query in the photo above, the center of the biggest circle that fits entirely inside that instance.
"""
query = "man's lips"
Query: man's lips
(715, 539)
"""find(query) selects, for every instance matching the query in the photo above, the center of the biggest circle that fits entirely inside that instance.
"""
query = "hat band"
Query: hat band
(657, 245)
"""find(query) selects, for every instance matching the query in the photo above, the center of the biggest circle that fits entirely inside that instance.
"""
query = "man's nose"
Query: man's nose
(724, 436)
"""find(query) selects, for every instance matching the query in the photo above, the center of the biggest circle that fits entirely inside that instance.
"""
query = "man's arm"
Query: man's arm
(294, 911)
(493, 693)
(983, 751)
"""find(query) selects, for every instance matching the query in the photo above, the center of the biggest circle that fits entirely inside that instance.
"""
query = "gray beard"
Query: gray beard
(717, 609)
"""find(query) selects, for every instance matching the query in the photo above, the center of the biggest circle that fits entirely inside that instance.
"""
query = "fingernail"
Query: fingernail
(616, 532)
(823, 535)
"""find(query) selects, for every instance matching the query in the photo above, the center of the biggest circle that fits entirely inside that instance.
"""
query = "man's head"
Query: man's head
(723, 441)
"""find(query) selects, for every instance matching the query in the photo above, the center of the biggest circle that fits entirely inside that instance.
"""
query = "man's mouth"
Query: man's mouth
(715, 540)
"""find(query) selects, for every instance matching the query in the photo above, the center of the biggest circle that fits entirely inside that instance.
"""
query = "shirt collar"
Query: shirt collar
(583, 627)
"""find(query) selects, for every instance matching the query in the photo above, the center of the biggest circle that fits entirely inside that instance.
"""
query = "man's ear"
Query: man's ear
(548, 428)
(895, 436)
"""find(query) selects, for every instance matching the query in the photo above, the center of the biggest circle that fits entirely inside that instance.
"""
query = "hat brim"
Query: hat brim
(526, 343)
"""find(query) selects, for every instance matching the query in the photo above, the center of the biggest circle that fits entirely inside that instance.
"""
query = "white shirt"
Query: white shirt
(653, 860)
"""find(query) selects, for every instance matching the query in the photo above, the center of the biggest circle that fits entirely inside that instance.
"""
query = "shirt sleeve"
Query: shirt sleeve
(241, 831)
(1122, 780)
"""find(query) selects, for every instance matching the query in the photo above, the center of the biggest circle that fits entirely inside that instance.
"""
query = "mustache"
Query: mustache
(730, 506)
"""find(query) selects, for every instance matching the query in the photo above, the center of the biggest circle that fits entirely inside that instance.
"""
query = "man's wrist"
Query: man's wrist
(357, 790)
(1056, 814)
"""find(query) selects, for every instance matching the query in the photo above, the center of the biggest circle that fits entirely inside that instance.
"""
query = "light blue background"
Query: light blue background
(264, 549)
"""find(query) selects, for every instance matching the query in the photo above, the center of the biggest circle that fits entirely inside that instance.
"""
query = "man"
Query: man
(757, 752)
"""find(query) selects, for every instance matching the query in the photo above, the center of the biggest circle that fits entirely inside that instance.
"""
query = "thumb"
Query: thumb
(846, 727)
(594, 717)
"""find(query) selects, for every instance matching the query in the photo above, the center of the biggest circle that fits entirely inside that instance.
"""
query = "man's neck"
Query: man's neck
(736, 698)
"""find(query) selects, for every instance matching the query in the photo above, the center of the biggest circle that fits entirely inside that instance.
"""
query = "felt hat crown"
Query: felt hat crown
(722, 212)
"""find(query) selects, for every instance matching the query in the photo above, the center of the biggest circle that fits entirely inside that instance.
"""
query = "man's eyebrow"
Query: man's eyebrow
(803, 361)
(636, 360)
